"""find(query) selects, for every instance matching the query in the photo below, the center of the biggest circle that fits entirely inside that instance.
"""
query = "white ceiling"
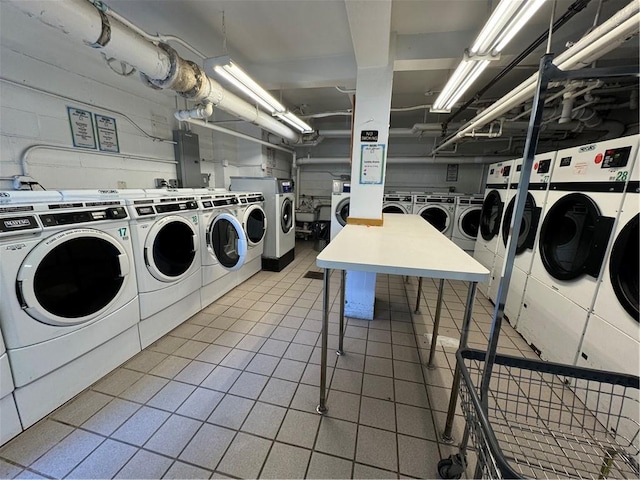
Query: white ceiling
(302, 50)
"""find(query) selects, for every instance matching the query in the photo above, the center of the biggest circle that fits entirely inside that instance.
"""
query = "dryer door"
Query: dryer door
(574, 237)
(226, 238)
(72, 277)
(528, 226)
(255, 224)
(171, 248)
(623, 267)
(342, 211)
(286, 215)
(469, 222)
(393, 208)
(491, 215)
(436, 216)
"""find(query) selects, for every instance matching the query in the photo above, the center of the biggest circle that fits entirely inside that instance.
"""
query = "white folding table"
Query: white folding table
(403, 245)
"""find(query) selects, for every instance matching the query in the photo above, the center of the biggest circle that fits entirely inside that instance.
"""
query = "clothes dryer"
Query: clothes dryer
(69, 311)
(254, 224)
(466, 222)
(223, 244)
(438, 210)
(612, 339)
(279, 205)
(9, 418)
(397, 202)
(584, 199)
(491, 217)
(166, 247)
(340, 202)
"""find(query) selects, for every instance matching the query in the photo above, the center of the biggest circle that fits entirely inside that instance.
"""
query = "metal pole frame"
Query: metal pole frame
(343, 283)
(436, 325)
(322, 405)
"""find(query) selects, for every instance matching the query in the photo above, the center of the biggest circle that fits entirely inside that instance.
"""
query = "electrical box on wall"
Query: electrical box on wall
(187, 150)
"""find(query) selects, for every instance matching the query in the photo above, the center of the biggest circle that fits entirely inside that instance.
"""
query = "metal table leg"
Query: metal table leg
(322, 406)
(343, 282)
(436, 326)
(464, 334)
(419, 295)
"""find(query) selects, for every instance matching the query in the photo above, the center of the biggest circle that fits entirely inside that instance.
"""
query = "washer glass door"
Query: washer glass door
(286, 215)
(528, 226)
(469, 223)
(436, 216)
(392, 209)
(623, 267)
(226, 238)
(255, 224)
(170, 248)
(72, 277)
(342, 211)
(491, 215)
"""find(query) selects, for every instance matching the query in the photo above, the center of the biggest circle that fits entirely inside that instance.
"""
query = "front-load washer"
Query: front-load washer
(254, 223)
(10, 424)
(491, 217)
(466, 222)
(279, 205)
(584, 199)
(529, 227)
(166, 247)
(340, 202)
(612, 339)
(223, 244)
(69, 311)
(438, 210)
(397, 202)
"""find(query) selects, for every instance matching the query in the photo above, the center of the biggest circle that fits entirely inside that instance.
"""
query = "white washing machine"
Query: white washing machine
(584, 199)
(166, 247)
(223, 244)
(466, 221)
(10, 424)
(340, 202)
(69, 311)
(254, 224)
(279, 205)
(397, 202)
(438, 210)
(491, 217)
(527, 240)
(612, 338)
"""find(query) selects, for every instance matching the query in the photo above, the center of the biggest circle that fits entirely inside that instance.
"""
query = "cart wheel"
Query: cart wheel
(452, 467)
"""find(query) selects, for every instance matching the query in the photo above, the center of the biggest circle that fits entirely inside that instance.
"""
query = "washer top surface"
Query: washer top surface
(16, 197)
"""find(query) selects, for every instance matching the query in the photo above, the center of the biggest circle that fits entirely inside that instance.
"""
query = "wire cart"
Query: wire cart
(540, 419)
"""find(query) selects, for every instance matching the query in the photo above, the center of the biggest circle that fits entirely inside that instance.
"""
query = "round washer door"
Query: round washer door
(437, 216)
(171, 248)
(469, 223)
(255, 224)
(227, 241)
(342, 211)
(72, 277)
(573, 237)
(286, 215)
(393, 208)
(491, 215)
(528, 226)
(623, 267)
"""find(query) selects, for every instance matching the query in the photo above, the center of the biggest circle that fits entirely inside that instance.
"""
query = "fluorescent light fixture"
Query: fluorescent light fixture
(229, 71)
(505, 22)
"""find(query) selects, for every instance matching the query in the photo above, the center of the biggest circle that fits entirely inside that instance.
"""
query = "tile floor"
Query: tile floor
(232, 392)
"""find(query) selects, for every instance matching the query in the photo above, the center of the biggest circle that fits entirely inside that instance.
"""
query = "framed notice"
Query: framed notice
(372, 163)
(107, 133)
(81, 123)
(452, 172)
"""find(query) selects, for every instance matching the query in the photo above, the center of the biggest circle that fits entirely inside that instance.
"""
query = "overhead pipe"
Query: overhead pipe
(160, 65)
(402, 160)
(600, 41)
(199, 111)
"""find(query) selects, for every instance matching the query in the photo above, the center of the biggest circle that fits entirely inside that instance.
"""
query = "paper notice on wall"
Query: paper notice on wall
(107, 133)
(81, 123)
(372, 163)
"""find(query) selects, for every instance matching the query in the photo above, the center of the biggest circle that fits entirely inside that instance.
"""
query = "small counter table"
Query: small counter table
(404, 245)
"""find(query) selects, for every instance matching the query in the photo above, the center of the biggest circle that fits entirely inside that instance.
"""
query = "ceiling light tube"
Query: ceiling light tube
(235, 71)
(246, 90)
(472, 77)
(463, 69)
(524, 15)
(498, 19)
(295, 122)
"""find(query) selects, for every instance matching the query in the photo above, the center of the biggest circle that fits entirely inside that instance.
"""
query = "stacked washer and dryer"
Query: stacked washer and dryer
(340, 201)
(70, 311)
(279, 206)
(254, 224)
(585, 196)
